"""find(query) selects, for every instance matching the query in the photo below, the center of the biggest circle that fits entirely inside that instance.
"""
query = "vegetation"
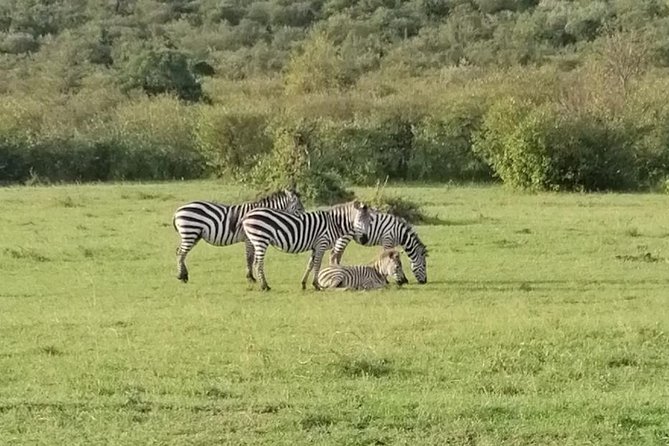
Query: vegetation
(544, 321)
(538, 94)
(408, 209)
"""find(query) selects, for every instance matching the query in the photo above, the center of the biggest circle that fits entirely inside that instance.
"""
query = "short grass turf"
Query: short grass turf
(545, 321)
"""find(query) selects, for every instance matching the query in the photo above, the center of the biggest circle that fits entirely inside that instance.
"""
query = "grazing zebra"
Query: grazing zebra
(390, 231)
(316, 231)
(219, 225)
(364, 277)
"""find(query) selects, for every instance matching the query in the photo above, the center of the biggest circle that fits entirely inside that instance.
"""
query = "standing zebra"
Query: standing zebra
(364, 277)
(219, 225)
(389, 231)
(316, 231)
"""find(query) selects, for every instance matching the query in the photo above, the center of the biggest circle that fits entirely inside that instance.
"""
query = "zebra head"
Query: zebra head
(419, 265)
(361, 221)
(416, 251)
(293, 203)
(390, 264)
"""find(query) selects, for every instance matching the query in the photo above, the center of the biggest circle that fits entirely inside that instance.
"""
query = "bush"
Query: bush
(443, 145)
(162, 71)
(67, 160)
(537, 147)
(366, 149)
(14, 162)
(19, 43)
(291, 163)
(319, 68)
(232, 142)
(399, 206)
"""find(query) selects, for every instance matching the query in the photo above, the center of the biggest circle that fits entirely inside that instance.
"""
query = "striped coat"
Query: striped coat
(220, 225)
(389, 231)
(314, 231)
(364, 277)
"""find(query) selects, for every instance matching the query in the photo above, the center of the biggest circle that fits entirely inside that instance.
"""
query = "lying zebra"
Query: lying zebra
(390, 231)
(364, 277)
(314, 231)
(219, 225)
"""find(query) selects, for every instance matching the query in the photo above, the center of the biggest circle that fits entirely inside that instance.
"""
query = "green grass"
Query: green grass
(545, 321)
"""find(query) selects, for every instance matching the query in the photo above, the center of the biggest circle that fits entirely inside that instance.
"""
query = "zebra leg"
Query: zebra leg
(316, 264)
(182, 251)
(259, 262)
(250, 254)
(310, 266)
(338, 250)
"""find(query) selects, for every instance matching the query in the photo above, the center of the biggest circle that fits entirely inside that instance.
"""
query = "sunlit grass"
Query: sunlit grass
(544, 321)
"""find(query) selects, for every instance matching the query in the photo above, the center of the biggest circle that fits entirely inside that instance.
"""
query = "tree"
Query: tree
(320, 67)
(163, 71)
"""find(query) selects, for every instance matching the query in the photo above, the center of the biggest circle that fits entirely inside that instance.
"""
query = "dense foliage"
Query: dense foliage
(541, 94)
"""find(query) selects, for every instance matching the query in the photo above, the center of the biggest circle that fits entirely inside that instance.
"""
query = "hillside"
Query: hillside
(209, 85)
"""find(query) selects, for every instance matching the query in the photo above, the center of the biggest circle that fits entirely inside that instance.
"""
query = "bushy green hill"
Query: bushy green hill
(250, 38)
(129, 89)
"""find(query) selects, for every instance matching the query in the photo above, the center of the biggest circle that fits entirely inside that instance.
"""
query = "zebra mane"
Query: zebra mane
(270, 195)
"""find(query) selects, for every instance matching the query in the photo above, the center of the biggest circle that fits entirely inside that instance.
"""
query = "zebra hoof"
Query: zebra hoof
(265, 288)
(304, 285)
(183, 278)
(250, 278)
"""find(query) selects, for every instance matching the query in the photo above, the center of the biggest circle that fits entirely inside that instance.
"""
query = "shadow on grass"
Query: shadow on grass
(356, 367)
(435, 220)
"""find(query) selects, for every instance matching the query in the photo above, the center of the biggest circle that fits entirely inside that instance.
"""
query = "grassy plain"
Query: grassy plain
(545, 321)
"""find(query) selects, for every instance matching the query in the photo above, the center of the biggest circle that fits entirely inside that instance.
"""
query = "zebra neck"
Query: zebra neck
(340, 225)
(379, 274)
(409, 243)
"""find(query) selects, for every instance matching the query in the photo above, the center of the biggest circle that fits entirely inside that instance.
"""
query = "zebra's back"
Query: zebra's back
(288, 232)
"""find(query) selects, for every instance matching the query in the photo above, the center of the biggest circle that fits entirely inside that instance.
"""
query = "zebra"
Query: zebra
(365, 277)
(294, 233)
(219, 225)
(390, 231)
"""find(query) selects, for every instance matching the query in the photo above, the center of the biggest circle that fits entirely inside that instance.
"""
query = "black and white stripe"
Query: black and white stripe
(220, 224)
(364, 277)
(389, 231)
(316, 231)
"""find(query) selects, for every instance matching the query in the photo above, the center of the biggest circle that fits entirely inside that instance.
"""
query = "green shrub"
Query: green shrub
(538, 147)
(14, 162)
(162, 71)
(366, 149)
(396, 205)
(401, 207)
(18, 43)
(232, 141)
(319, 68)
(292, 163)
(443, 145)
(74, 159)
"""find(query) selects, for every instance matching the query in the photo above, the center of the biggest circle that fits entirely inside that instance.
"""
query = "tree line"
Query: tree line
(538, 94)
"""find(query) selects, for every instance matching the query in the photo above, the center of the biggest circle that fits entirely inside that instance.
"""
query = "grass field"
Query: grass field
(545, 321)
